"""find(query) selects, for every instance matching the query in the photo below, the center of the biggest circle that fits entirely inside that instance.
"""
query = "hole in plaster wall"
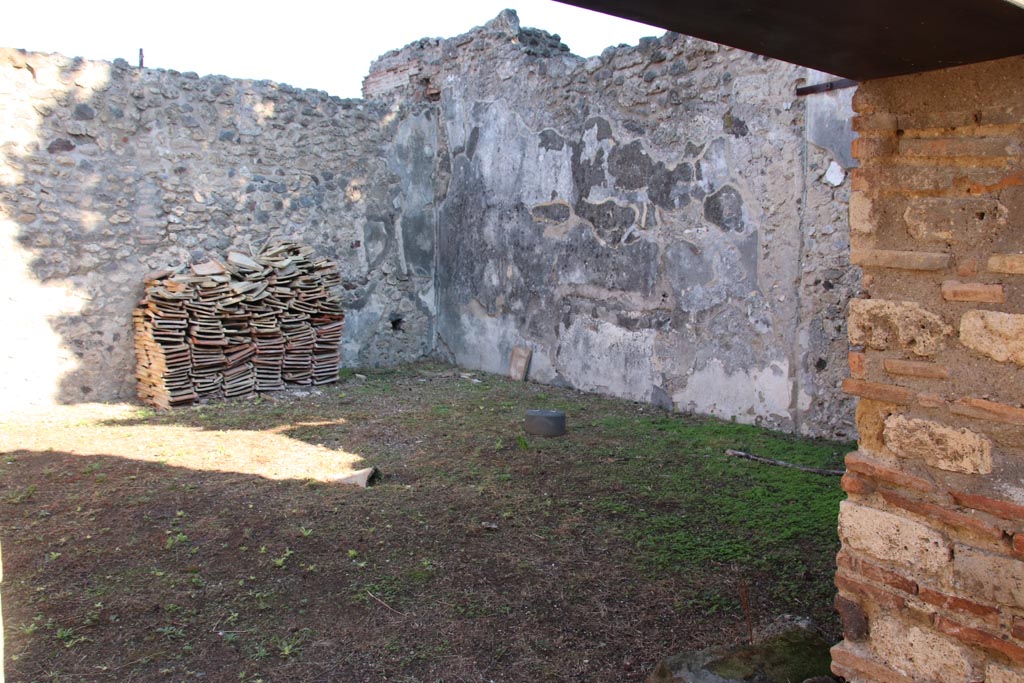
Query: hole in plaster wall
(397, 324)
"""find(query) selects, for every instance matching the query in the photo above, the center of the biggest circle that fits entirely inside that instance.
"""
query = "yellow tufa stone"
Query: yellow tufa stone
(993, 578)
(997, 673)
(892, 538)
(919, 654)
(882, 324)
(1000, 336)
(937, 445)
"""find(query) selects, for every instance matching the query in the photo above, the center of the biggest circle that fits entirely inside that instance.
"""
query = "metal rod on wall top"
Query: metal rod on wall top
(826, 87)
(141, 59)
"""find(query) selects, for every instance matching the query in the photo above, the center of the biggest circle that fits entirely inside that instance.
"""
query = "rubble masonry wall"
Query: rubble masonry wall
(110, 171)
(665, 222)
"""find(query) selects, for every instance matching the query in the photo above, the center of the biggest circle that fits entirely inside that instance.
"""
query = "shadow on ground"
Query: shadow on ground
(480, 555)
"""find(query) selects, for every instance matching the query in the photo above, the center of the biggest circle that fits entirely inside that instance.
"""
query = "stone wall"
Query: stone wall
(931, 572)
(664, 222)
(110, 171)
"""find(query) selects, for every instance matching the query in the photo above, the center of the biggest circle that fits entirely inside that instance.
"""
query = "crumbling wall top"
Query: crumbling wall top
(412, 72)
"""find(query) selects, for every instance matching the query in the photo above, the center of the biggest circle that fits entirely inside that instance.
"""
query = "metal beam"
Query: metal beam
(856, 39)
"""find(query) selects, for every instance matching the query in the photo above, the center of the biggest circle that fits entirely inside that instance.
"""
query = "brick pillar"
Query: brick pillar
(931, 571)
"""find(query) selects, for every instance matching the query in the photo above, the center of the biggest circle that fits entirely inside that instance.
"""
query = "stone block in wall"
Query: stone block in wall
(954, 220)
(997, 673)
(915, 368)
(855, 664)
(995, 506)
(858, 364)
(869, 593)
(869, 147)
(855, 621)
(962, 522)
(993, 578)
(973, 292)
(980, 146)
(967, 608)
(901, 260)
(999, 336)
(871, 417)
(887, 473)
(937, 445)
(982, 409)
(1011, 264)
(921, 654)
(931, 179)
(860, 214)
(980, 638)
(877, 391)
(892, 538)
(876, 573)
(882, 324)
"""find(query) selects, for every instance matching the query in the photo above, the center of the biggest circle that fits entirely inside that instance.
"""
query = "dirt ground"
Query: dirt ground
(208, 544)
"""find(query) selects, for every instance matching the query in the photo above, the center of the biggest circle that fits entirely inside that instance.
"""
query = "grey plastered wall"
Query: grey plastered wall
(108, 172)
(664, 223)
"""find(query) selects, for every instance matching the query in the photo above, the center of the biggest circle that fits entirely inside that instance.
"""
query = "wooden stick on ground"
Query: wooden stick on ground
(769, 461)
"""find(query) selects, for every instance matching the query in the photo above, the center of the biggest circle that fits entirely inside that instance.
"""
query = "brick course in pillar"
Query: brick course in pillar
(931, 572)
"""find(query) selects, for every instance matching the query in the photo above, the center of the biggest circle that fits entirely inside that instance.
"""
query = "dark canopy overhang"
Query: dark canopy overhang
(858, 39)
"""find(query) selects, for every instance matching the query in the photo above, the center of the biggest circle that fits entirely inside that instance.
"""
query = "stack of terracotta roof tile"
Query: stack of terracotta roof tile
(246, 324)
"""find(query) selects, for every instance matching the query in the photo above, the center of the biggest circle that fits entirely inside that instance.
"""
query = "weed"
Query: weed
(712, 602)
(262, 599)
(23, 496)
(171, 632)
(385, 588)
(280, 562)
(421, 573)
(175, 539)
(523, 444)
(260, 652)
(29, 628)
(306, 533)
(288, 647)
(68, 637)
(93, 615)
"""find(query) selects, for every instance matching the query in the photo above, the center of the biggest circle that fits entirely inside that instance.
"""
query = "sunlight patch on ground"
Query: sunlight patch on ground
(118, 431)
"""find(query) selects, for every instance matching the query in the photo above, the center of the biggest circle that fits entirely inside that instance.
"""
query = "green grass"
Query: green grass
(632, 533)
(692, 509)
